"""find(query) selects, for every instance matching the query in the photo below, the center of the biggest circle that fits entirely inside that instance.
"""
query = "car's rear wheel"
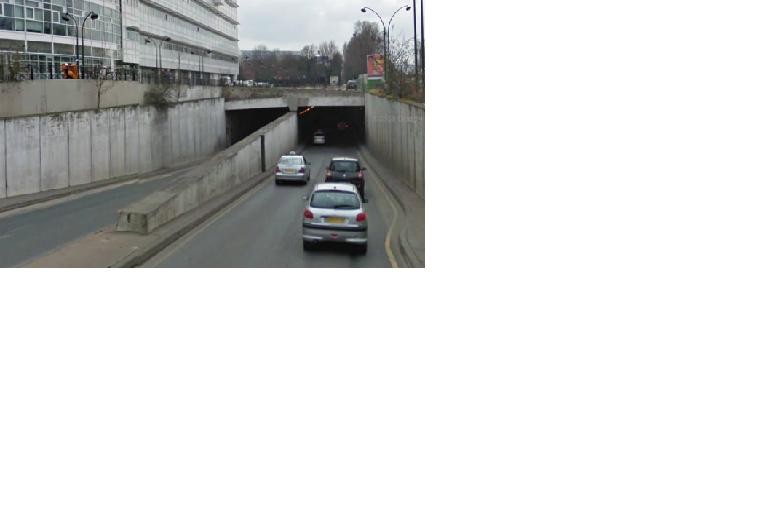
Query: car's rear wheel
(362, 249)
(276, 182)
(307, 245)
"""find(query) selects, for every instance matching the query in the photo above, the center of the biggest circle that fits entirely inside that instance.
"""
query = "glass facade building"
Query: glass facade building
(194, 38)
(35, 41)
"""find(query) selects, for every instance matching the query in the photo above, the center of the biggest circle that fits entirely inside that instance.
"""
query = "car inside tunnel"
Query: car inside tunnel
(341, 126)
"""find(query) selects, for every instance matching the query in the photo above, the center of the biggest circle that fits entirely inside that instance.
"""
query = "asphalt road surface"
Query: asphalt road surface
(263, 228)
(32, 231)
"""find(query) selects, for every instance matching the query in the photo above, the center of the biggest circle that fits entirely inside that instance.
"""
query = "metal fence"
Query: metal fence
(24, 67)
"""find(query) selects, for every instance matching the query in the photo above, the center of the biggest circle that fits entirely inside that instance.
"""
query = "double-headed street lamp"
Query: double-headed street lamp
(386, 32)
(80, 57)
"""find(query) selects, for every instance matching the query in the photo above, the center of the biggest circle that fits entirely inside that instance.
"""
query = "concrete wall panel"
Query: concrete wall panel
(100, 145)
(79, 144)
(54, 160)
(395, 133)
(132, 140)
(57, 151)
(116, 120)
(2, 159)
(22, 141)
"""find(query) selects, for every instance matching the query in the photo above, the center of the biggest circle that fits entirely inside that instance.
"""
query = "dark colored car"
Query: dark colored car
(352, 85)
(347, 169)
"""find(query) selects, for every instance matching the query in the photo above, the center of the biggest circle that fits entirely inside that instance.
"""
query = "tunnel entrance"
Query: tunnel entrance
(241, 123)
(342, 126)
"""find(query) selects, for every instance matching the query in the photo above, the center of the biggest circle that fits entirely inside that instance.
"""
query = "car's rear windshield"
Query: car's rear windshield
(345, 166)
(334, 200)
(292, 161)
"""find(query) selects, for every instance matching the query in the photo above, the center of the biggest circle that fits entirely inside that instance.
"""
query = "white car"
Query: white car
(319, 137)
(292, 168)
(335, 214)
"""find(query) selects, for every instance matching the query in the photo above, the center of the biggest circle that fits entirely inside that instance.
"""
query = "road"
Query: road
(33, 231)
(263, 228)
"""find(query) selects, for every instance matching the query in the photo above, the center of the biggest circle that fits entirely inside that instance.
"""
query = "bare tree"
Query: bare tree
(366, 40)
(103, 84)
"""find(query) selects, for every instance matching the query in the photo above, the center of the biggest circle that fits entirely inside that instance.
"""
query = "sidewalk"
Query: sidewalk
(411, 236)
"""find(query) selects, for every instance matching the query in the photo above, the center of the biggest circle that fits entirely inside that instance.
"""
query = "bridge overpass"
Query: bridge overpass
(317, 109)
(293, 99)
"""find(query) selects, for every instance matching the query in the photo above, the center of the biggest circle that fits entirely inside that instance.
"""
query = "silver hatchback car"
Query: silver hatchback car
(292, 168)
(335, 214)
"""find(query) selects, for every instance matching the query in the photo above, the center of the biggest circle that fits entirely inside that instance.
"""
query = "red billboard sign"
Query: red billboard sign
(375, 65)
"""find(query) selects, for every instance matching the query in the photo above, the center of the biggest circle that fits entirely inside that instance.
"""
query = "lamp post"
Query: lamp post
(91, 15)
(416, 72)
(158, 53)
(386, 32)
(72, 18)
(80, 55)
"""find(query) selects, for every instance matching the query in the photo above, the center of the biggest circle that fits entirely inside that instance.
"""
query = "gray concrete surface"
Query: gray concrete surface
(33, 231)
(293, 101)
(263, 229)
(47, 152)
(221, 173)
(395, 134)
(47, 96)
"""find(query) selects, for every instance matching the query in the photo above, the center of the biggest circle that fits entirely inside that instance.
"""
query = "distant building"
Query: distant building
(35, 39)
(202, 36)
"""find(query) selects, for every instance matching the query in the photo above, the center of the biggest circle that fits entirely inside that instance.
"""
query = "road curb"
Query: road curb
(140, 256)
(401, 241)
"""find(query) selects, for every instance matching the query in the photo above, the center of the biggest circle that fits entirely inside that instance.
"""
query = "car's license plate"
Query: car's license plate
(335, 219)
(290, 171)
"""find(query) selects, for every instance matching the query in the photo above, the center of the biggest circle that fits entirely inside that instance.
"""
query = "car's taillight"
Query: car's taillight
(328, 173)
(277, 169)
(308, 214)
(361, 217)
(302, 170)
(360, 174)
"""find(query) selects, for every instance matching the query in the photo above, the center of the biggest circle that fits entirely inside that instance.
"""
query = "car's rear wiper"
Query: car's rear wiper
(348, 206)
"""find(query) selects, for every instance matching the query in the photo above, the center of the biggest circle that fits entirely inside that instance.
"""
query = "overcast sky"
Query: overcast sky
(291, 24)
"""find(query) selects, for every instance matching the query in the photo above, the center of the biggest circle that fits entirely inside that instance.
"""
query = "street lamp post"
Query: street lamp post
(386, 33)
(91, 15)
(158, 54)
(71, 18)
(416, 72)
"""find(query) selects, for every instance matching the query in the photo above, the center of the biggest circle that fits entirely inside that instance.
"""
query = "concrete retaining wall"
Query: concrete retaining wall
(395, 133)
(222, 172)
(56, 151)
(18, 99)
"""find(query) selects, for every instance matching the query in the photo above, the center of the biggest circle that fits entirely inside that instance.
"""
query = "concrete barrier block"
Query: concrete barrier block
(100, 145)
(224, 171)
(54, 156)
(22, 146)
